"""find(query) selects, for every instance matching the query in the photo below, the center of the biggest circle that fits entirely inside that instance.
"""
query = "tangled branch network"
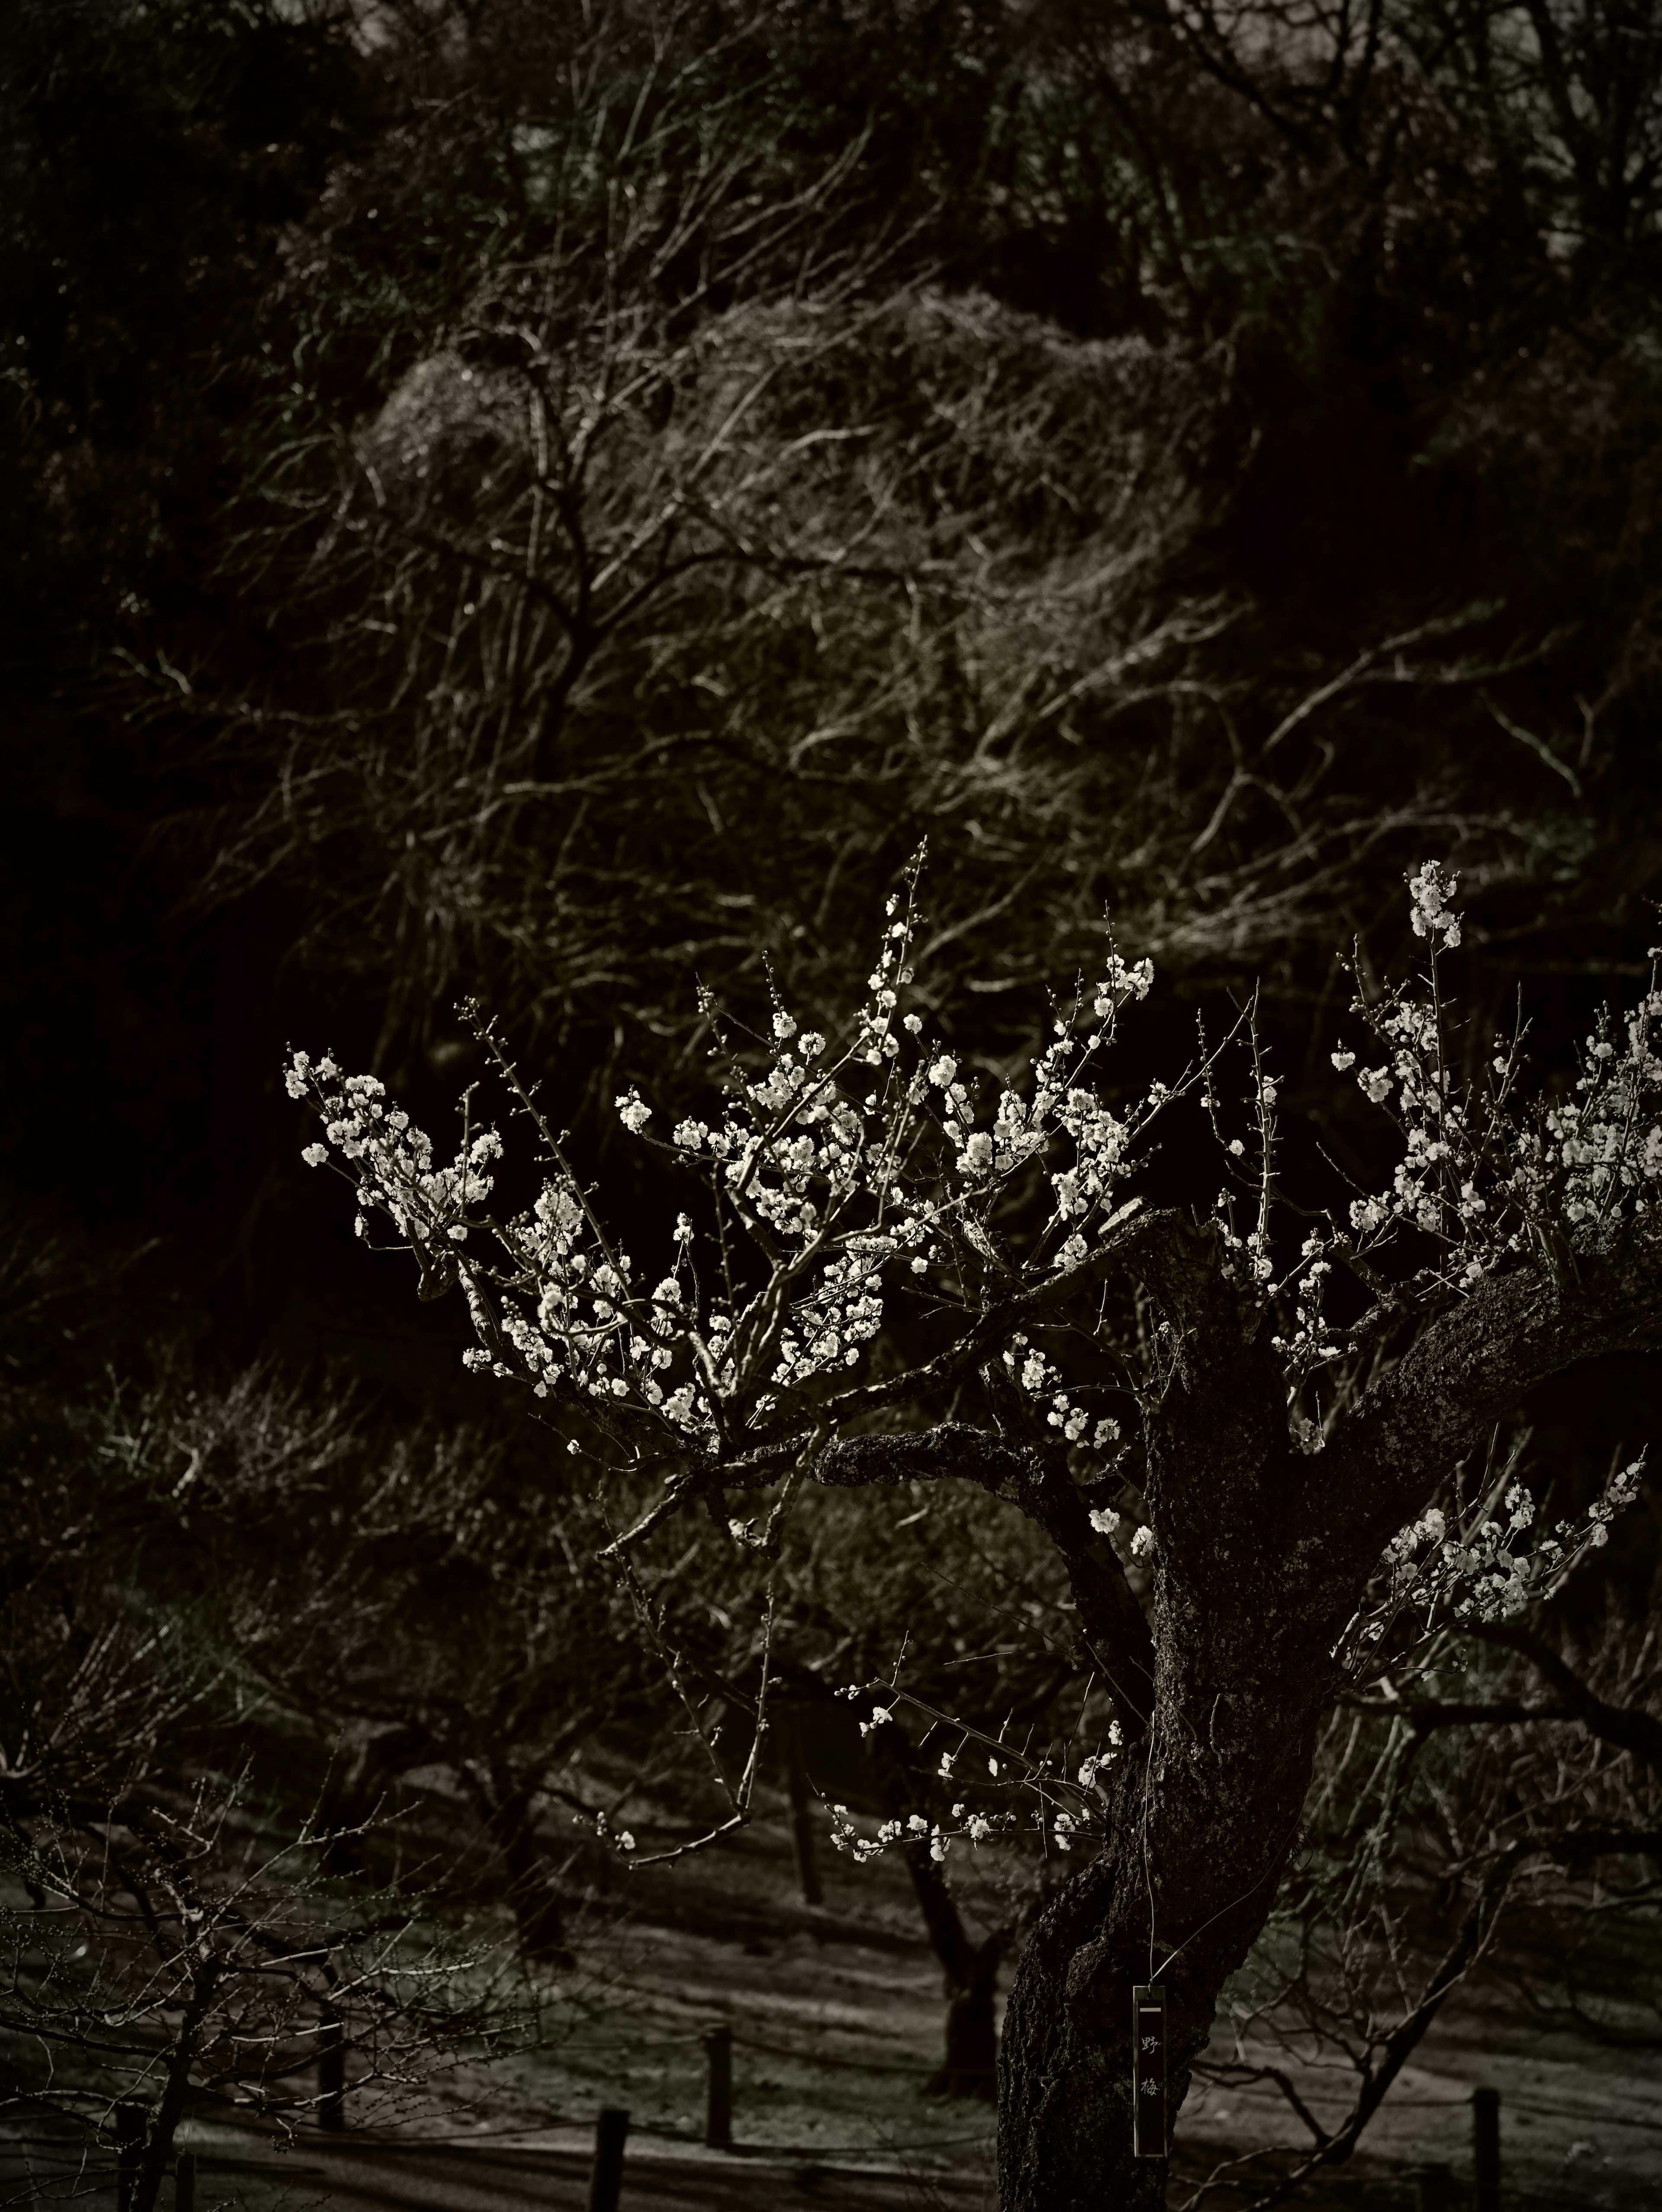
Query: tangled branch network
(839, 1176)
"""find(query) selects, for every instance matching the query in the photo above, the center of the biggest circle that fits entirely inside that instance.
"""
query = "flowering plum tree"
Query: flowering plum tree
(903, 1273)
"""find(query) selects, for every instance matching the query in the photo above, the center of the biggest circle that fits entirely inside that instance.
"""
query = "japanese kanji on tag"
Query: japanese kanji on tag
(1149, 2071)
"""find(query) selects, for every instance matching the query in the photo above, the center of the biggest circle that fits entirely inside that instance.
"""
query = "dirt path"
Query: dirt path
(836, 2018)
(236, 2173)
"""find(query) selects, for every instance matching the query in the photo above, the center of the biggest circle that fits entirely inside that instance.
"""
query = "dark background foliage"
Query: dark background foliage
(555, 503)
(1322, 347)
(1289, 414)
(1305, 349)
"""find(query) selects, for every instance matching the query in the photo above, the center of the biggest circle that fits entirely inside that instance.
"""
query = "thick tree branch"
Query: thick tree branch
(1501, 1712)
(1468, 1369)
(1629, 1728)
(1036, 1480)
(952, 1450)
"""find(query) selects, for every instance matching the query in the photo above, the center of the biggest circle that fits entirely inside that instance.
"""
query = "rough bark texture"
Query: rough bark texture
(1262, 1554)
(1203, 1812)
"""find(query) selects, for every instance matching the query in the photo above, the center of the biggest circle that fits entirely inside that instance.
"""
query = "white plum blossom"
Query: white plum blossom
(859, 1171)
(1431, 892)
(1121, 982)
(1488, 1184)
(1484, 1567)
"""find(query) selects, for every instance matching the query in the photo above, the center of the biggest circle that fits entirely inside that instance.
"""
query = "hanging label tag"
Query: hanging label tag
(1149, 2137)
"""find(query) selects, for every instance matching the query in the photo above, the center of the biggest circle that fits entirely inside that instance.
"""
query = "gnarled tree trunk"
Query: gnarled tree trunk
(533, 1891)
(1204, 1801)
(1264, 1545)
(1202, 1813)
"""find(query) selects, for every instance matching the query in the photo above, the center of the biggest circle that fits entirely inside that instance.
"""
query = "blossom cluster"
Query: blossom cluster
(392, 1161)
(1485, 1566)
(847, 1838)
(1059, 1823)
(1056, 1825)
(853, 1170)
(1485, 1177)
(882, 1165)
(1431, 894)
(1487, 1180)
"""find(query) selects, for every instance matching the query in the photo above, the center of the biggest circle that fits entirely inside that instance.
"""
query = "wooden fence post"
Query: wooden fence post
(718, 2114)
(184, 2183)
(1486, 2149)
(129, 2149)
(606, 2182)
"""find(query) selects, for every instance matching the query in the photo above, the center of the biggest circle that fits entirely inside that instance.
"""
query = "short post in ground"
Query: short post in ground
(1486, 2149)
(605, 2181)
(718, 2112)
(184, 2183)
